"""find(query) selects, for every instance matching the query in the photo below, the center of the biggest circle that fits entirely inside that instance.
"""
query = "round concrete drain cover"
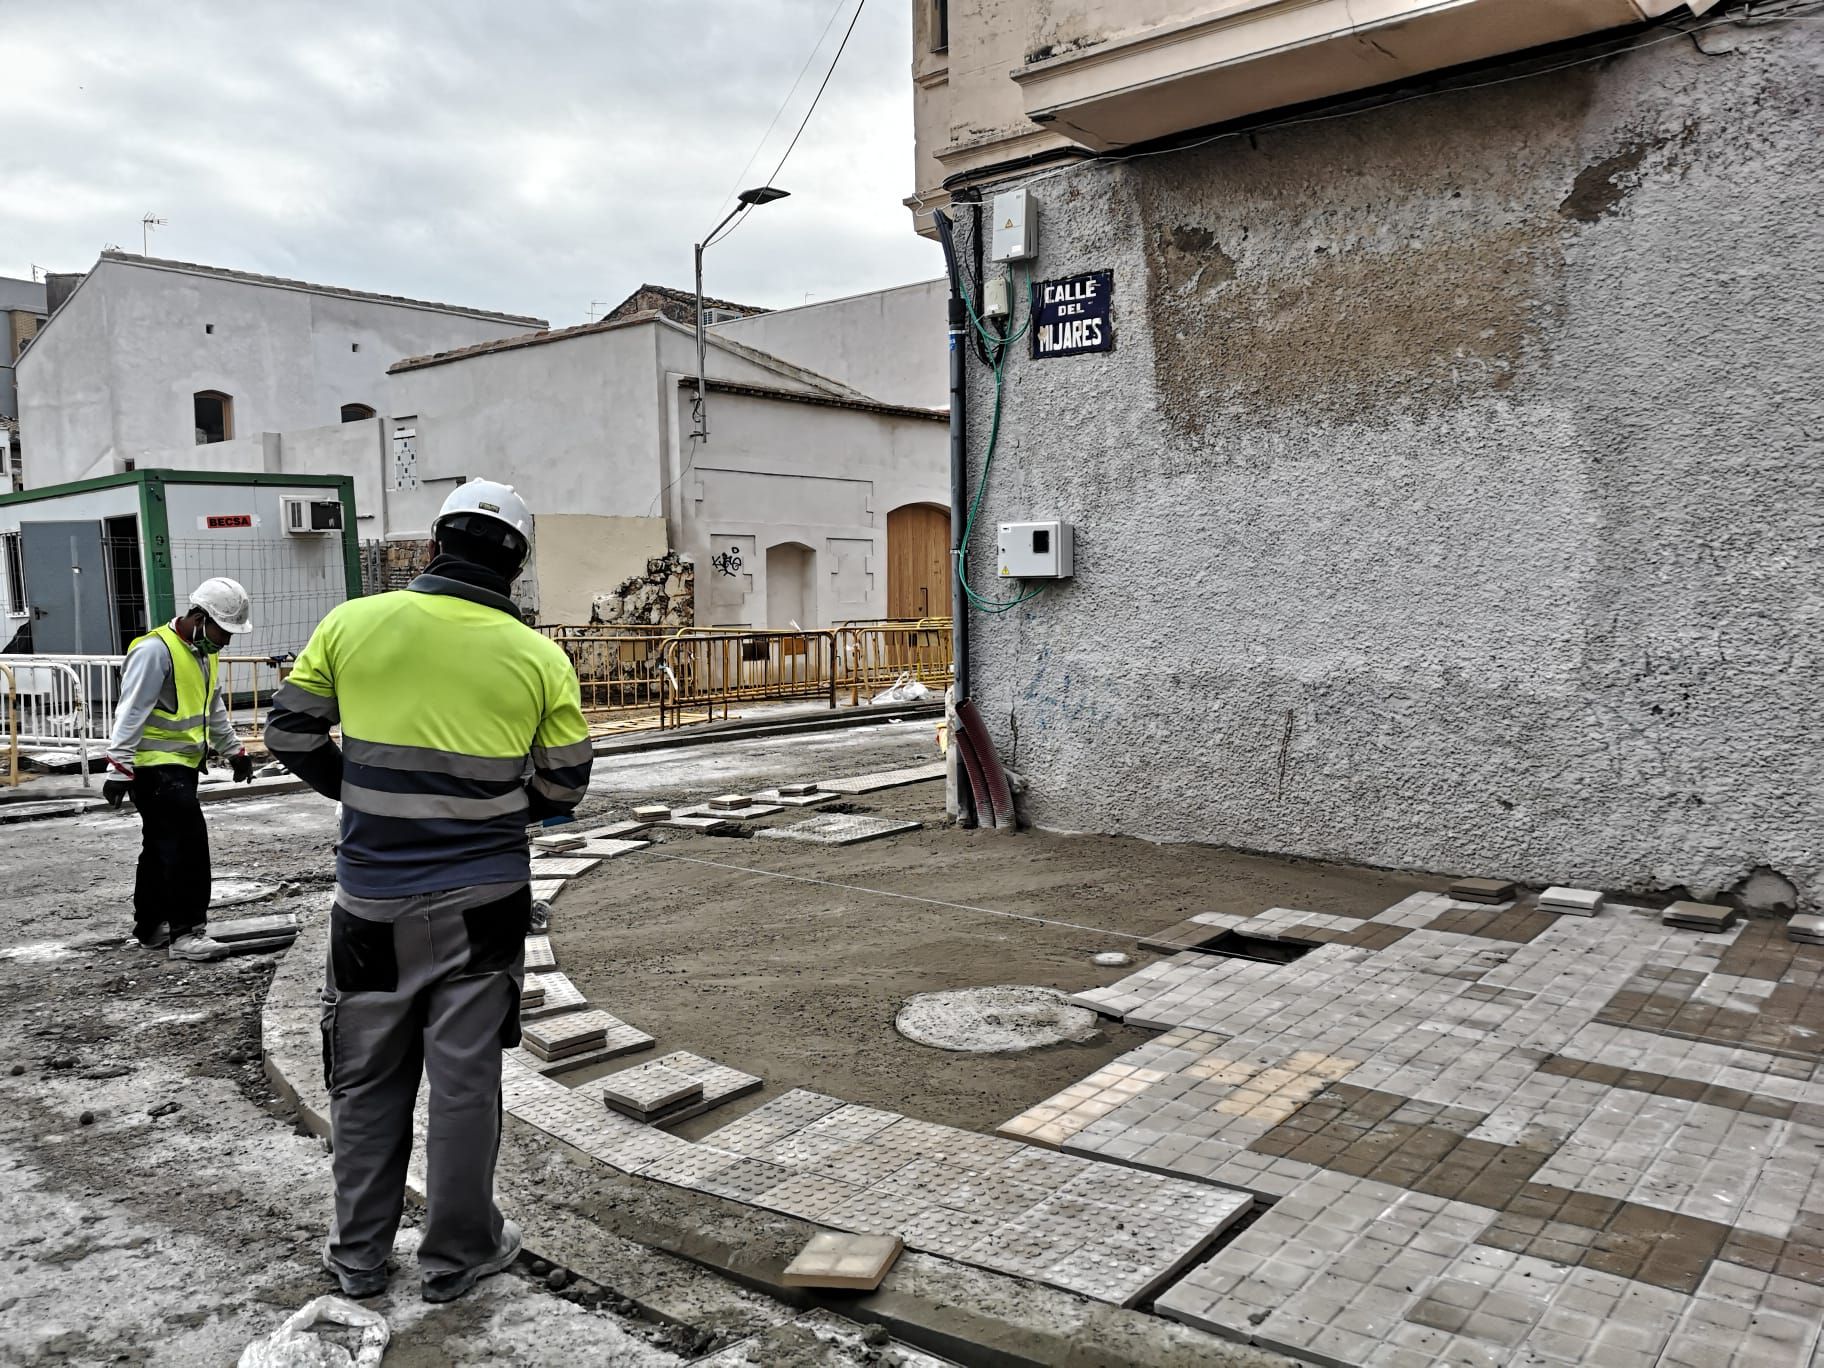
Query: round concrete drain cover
(993, 1020)
(231, 890)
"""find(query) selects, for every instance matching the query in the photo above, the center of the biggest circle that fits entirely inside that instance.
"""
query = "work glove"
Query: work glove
(242, 765)
(114, 790)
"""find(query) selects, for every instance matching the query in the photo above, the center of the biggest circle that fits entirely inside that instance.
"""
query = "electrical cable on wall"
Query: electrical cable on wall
(1000, 345)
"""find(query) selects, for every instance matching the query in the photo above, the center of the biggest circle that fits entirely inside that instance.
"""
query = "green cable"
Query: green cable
(981, 602)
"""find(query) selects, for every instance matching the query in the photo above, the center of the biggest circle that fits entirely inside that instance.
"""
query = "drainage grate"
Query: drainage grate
(1237, 945)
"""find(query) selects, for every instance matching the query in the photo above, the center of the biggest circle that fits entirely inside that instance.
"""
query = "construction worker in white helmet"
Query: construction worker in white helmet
(460, 727)
(170, 711)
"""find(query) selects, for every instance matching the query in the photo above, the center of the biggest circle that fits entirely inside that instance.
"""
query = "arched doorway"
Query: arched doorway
(791, 595)
(918, 562)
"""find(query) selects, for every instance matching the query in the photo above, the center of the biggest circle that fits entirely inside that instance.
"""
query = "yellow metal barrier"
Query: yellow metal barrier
(874, 657)
(12, 727)
(618, 671)
(705, 669)
(247, 684)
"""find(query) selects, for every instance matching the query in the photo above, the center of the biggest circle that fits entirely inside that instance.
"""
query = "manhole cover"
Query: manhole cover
(231, 891)
(993, 1020)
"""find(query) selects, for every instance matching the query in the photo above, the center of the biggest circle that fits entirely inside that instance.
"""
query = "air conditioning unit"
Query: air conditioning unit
(306, 517)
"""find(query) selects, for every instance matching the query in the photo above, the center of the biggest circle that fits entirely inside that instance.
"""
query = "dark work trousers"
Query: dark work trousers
(173, 880)
(434, 991)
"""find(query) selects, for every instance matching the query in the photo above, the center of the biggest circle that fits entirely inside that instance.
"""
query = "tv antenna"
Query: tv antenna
(597, 309)
(146, 225)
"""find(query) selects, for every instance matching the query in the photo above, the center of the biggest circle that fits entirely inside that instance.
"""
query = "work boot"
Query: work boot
(367, 1282)
(194, 945)
(443, 1287)
(159, 938)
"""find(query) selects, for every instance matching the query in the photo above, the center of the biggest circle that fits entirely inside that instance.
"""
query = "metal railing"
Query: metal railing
(874, 656)
(705, 670)
(618, 671)
(54, 701)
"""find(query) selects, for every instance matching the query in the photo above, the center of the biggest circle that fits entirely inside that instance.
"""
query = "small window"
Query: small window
(354, 347)
(11, 553)
(356, 413)
(214, 416)
(940, 25)
(209, 327)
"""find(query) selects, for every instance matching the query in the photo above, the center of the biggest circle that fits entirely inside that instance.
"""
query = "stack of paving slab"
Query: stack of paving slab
(255, 935)
(1806, 928)
(795, 795)
(547, 993)
(674, 1088)
(728, 807)
(1490, 891)
(1696, 916)
(651, 1092)
(1571, 902)
(572, 1039)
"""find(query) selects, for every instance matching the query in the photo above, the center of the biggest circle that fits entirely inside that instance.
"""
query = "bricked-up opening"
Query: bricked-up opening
(1236, 945)
(214, 416)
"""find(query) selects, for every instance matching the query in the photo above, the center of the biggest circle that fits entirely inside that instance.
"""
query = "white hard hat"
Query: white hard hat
(493, 502)
(226, 603)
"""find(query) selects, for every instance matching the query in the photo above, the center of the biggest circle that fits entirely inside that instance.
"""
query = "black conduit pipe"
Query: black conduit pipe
(967, 813)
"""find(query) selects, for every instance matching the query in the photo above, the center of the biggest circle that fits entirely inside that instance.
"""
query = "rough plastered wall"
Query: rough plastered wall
(1454, 497)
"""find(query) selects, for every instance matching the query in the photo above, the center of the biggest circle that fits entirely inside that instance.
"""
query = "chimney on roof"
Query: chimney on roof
(59, 286)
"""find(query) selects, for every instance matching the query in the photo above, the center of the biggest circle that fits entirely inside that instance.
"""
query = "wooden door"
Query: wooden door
(918, 562)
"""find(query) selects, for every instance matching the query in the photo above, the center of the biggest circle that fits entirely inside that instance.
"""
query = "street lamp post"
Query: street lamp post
(748, 199)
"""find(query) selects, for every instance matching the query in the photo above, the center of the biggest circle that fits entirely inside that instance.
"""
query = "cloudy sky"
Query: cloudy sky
(532, 157)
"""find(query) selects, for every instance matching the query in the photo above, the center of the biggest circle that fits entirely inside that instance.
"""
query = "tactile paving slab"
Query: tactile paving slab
(842, 1259)
(254, 928)
(839, 829)
(884, 779)
(560, 866)
(1104, 1231)
(556, 994)
(539, 954)
(610, 849)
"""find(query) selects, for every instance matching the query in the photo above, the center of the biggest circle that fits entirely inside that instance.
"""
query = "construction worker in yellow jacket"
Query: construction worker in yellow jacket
(460, 726)
(169, 711)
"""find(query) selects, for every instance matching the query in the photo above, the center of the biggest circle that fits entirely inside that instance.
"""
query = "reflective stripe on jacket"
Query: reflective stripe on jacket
(460, 726)
(177, 738)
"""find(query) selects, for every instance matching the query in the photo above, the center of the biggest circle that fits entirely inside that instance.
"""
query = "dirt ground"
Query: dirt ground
(176, 1239)
(799, 982)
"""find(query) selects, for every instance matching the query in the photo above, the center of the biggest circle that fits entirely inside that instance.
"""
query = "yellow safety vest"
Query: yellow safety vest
(178, 738)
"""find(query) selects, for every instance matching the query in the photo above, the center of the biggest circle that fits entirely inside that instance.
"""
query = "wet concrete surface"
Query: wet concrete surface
(699, 942)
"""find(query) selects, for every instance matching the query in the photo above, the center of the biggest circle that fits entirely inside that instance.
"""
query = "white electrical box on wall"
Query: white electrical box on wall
(1037, 550)
(1016, 227)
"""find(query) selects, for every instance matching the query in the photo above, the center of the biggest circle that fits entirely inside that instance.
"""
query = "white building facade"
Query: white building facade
(808, 502)
(149, 359)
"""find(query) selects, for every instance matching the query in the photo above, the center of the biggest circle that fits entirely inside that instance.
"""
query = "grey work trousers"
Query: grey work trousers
(433, 990)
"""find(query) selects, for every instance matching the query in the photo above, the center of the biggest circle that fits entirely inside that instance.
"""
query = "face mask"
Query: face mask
(206, 645)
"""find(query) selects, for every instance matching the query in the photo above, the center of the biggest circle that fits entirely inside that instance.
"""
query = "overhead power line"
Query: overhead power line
(805, 121)
(779, 113)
